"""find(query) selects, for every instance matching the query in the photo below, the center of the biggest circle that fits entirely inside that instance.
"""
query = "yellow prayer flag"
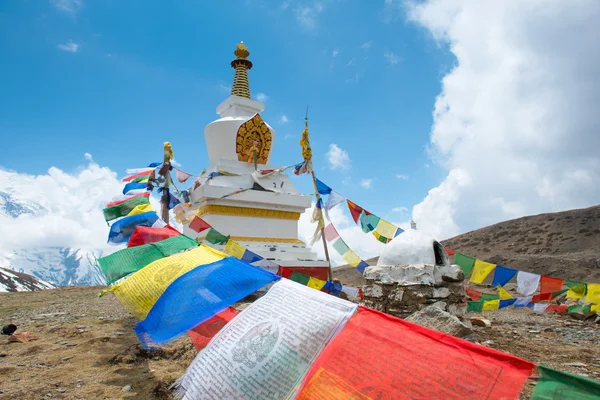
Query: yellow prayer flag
(141, 290)
(504, 295)
(386, 229)
(576, 292)
(595, 308)
(315, 283)
(234, 249)
(491, 305)
(481, 270)
(593, 293)
(142, 208)
(351, 258)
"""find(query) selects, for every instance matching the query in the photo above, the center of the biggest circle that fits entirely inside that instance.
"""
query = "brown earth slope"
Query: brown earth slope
(564, 244)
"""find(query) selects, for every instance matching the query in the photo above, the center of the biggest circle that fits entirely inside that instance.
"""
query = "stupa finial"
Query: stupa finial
(241, 86)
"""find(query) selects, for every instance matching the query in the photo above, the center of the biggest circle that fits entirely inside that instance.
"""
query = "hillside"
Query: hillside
(11, 281)
(564, 244)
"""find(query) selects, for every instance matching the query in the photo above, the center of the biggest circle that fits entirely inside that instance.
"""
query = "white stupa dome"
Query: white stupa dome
(413, 247)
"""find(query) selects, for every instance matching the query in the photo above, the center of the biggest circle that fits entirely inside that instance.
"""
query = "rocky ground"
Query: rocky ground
(86, 348)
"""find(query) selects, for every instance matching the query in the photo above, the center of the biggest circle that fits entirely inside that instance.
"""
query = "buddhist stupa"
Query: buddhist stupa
(260, 213)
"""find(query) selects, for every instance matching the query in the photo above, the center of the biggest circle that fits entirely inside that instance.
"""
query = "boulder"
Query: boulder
(433, 317)
(480, 321)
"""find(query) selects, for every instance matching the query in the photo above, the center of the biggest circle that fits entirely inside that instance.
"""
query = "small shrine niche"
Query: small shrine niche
(253, 141)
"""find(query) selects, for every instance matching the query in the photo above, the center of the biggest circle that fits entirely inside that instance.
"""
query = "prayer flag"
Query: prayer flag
(197, 296)
(124, 262)
(351, 258)
(557, 309)
(580, 309)
(121, 210)
(491, 305)
(398, 231)
(330, 232)
(352, 366)
(506, 303)
(139, 291)
(489, 296)
(527, 283)
(504, 295)
(351, 291)
(144, 175)
(300, 278)
(267, 349)
(355, 210)
(133, 171)
(267, 265)
(315, 283)
(523, 302)
(133, 186)
(576, 289)
(285, 272)
(595, 308)
(143, 208)
(473, 294)
(182, 176)
(145, 234)
(234, 249)
(215, 237)
(155, 164)
(122, 229)
(333, 200)
(540, 307)
(124, 197)
(549, 284)
(202, 334)
(556, 385)
(464, 262)
(386, 229)
(450, 252)
(322, 188)
(481, 270)
(368, 222)
(474, 306)
(335, 288)
(381, 238)
(541, 297)
(251, 257)
(503, 275)
(341, 247)
(593, 293)
(362, 266)
(198, 224)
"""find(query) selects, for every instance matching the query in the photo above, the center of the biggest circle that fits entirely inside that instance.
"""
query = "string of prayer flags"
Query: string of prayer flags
(139, 177)
(465, 263)
(504, 295)
(527, 283)
(238, 251)
(256, 355)
(481, 270)
(122, 229)
(303, 167)
(473, 294)
(143, 208)
(554, 384)
(343, 249)
(199, 225)
(593, 293)
(576, 289)
(134, 187)
(145, 235)
(132, 259)
(322, 188)
(124, 208)
(549, 284)
(182, 176)
(124, 197)
(351, 366)
(502, 275)
(203, 333)
(198, 295)
(215, 237)
(139, 291)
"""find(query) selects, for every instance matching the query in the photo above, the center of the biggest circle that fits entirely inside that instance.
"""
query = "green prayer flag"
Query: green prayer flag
(341, 247)
(382, 239)
(124, 262)
(558, 293)
(580, 309)
(573, 284)
(215, 237)
(300, 278)
(464, 262)
(474, 306)
(558, 385)
(368, 223)
(488, 297)
(141, 178)
(121, 210)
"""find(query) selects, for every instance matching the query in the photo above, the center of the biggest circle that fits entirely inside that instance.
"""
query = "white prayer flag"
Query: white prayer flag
(540, 307)
(527, 283)
(523, 301)
(333, 200)
(350, 291)
(265, 351)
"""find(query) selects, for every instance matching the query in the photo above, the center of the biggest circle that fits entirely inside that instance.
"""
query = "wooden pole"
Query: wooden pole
(318, 196)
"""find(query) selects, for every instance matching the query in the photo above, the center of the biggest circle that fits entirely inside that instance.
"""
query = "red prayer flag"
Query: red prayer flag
(330, 232)
(419, 363)
(146, 234)
(557, 309)
(199, 225)
(182, 176)
(473, 294)
(450, 252)
(541, 297)
(138, 175)
(549, 284)
(203, 333)
(126, 198)
(285, 272)
(354, 210)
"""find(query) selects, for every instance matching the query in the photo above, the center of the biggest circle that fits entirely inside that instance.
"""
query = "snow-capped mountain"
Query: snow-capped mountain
(11, 281)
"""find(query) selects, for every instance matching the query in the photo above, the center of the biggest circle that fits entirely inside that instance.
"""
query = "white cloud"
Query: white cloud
(283, 119)
(400, 209)
(262, 97)
(72, 204)
(70, 46)
(307, 16)
(391, 58)
(402, 177)
(516, 123)
(334, 53)
(367, 45)
(338, 158)
(88, 157)
(225, 88)
(366, 183)
(68, 6)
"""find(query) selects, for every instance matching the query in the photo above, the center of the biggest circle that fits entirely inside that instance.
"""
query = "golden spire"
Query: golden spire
(241, 64)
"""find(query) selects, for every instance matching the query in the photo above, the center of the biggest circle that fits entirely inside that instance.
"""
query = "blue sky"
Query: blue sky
(116, 79)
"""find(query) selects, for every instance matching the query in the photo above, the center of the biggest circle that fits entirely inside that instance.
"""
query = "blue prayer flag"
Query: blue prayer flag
(322, 188)
(250, 257)
(335, 289)
(398, 231)
(327, 287)
(154, 164)
(173, 200)
(502, 275)
(361, 266)
(506, 303)
(121, 230)
(133, 186)
(197, 296)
